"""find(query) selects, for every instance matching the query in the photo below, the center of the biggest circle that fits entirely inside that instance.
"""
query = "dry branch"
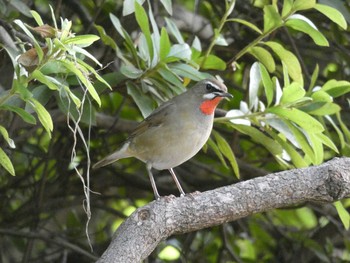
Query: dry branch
(138, 236)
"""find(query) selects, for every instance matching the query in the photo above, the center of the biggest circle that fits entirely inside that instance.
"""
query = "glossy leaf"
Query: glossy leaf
(6, 162)
(264, 57)
(303, 4)
(144, 103)
(333, 14)
(259, 137)
(164, 46)
(267, 83)
(336, 88)
(43, 115)
(27, 117)
(272, 18)
(304, 120)
(212, 62)
(343, 214)
(289, 59)
(304, 26)
(142, 20)
(292, 93)
(168, 6)
(246, 23)
(226, 150)
(6, 137)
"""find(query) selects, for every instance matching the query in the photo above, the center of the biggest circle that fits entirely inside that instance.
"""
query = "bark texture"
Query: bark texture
(138, 236)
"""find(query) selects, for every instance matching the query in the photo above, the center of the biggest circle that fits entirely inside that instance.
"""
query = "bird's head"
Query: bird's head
(210, 92)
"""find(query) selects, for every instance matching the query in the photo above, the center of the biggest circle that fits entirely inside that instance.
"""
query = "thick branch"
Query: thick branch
(137, 237)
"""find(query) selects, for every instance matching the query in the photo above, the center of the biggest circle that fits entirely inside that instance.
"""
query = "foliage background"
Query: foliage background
(42, 216)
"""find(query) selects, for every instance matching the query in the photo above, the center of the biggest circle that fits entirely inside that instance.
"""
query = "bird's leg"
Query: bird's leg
(153, 183)
(177, 182)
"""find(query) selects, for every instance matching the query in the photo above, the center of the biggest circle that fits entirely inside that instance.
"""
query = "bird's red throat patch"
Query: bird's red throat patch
(208, 106)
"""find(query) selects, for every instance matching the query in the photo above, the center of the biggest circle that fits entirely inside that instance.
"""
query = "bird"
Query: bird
(174, 132)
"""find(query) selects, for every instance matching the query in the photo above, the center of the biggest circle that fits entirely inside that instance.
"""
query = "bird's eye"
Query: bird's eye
(209, 87)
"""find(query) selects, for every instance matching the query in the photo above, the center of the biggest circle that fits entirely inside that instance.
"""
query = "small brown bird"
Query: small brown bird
(174, 132)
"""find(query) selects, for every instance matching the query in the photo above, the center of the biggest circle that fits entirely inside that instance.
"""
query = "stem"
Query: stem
(228, 11)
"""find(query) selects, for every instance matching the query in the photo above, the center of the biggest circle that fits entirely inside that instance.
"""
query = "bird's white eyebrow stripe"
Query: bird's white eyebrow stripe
(214, 85)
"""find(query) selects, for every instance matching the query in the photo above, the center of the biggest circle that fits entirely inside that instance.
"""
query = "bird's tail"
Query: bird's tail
(119, 154)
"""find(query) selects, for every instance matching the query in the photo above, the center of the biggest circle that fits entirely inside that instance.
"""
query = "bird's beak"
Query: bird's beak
(225, 95)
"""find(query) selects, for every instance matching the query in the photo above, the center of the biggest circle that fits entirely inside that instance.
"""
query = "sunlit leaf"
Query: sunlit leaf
(343, 214)
(246, 23)
(6, 162)
(264, 57)
(306, 26)
(333, 14)
(43, 115)
(226, 150)
(299, 117)
(292, 93)
(272, 18)
(289, 59)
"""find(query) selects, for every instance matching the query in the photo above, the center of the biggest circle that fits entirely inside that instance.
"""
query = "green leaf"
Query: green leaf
(36, 74)
(303, 4)
(226, 150)
(6, 162)
(37, 18)
(317, 146)
(333, 14)
(179, 51)
(212, 62)
(82, 40)
(304, 120)
(142, 20)
(246, 23)
(117, 25)
(27, 117)
(130, 71)
(144, 103)
(322, 108)
(343, 214)
(43, 115)
(6, 136)
(287, 7)
(259, 137)
(37, 47)
(264, 57)
(217, 151)
(327, 141)
(336, 88)
(292, 93)
(106, 39)
(168, 6)
(82, 76)
(187, 71)
(272, 18)
(169, 76)
(302, 141)
(301, 23)
(164, 46)
(289, 59)
(267, 83)
(313, 78)
(297, 159)
(172, 28)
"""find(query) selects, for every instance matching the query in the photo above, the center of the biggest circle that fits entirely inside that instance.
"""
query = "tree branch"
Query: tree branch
(138, 236)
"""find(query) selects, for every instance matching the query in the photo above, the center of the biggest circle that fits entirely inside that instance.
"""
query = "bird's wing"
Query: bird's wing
(156, 118)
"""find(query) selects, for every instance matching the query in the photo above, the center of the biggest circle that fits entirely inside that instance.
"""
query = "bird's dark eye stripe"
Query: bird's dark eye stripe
(211, 88)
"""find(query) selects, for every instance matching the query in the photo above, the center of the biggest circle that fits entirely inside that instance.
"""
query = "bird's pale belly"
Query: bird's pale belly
(163, 148)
